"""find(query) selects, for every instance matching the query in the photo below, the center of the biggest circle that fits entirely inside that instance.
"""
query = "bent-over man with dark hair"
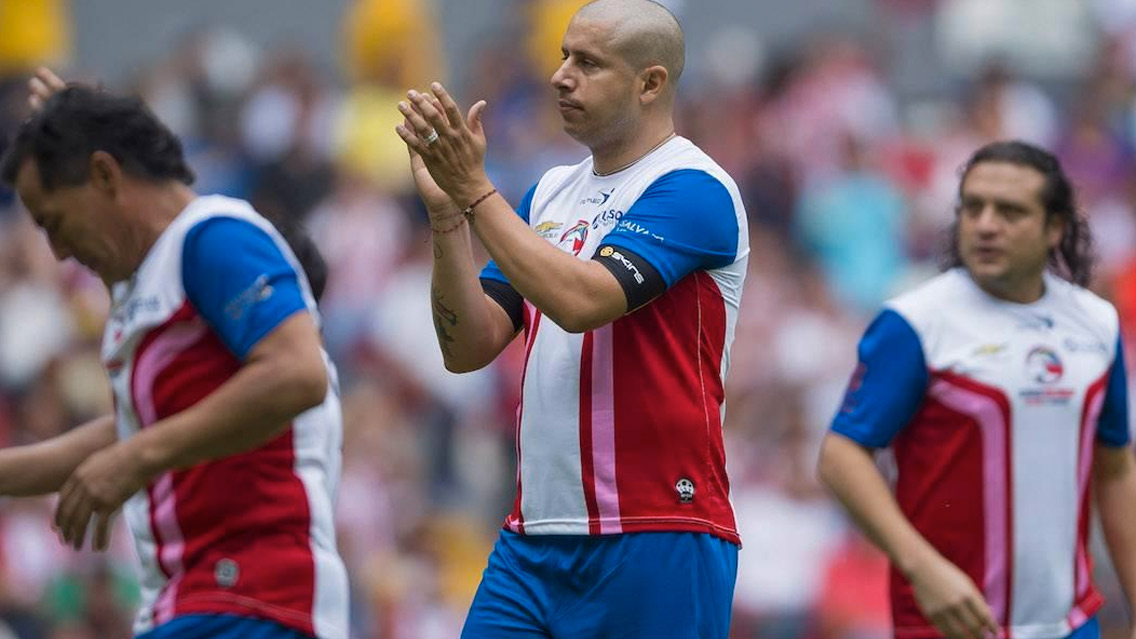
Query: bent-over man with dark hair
(224, 449)
(1000, 387)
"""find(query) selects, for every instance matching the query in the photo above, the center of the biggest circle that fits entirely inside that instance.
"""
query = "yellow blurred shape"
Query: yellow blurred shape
(33, 32)
(367, 145)
(548, 19)
(392, 42)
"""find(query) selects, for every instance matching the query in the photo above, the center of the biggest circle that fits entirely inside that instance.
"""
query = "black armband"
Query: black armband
(641, 282)
(507, 298)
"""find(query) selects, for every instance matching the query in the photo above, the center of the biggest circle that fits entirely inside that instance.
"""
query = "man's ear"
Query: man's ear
(1055, 228)
(105, 173)
(654, 80)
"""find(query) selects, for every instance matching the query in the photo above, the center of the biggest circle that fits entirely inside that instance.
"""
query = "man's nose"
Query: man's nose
(987, 220)
(560, 77)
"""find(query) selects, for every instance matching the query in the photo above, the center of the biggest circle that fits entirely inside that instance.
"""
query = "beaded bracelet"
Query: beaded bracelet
(445, 216)
(468, 211)
(460, 218)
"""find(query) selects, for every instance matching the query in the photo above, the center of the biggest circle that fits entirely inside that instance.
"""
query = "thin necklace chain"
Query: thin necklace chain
(632, 162)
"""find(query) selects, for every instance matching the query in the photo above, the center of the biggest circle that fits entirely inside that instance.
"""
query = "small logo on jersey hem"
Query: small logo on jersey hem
(685, 489)
(226, 572)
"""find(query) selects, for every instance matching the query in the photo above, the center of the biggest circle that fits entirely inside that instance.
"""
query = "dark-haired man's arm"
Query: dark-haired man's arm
(43, 467)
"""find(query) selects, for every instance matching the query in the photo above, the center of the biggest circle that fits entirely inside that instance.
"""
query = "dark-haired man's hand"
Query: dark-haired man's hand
(95, 492)
(951, 601)
(42, 86)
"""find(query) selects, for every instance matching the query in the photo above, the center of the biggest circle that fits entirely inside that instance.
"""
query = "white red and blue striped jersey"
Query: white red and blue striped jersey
(250, 534)
(619, 428)
(993, 410)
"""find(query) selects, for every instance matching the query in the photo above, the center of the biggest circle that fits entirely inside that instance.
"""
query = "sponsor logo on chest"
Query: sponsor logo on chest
(589, 225)
(1044, 370)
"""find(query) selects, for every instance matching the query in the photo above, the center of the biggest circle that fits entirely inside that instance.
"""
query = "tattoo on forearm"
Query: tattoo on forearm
(444, 317)
(437, 250)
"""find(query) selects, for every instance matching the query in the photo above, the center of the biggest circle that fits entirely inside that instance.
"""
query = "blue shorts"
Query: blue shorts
(630, 586)
(221, 627)
(1091, 630)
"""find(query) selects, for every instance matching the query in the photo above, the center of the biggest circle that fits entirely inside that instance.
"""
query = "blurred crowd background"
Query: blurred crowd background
(843, 122)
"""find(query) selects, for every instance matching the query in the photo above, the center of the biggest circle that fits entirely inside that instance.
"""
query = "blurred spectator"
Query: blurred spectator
(853, 603)
(853, 222)
(1096, 160)
(286, 126)
(1049, 38)
(363, 233)
(391, 45)
(1023, 110)
(834, 93)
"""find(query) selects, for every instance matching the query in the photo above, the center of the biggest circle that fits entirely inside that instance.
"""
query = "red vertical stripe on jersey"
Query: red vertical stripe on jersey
(955, 469)
(712, 338)
(1094, 400)
(990, 410)
(587, 471)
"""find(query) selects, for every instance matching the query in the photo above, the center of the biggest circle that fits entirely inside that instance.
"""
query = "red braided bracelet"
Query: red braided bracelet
(468, 211)
(460, 222)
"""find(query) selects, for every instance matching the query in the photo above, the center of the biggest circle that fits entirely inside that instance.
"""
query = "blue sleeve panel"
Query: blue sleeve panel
(1112, 426)
(490, 271)
(238, 281)
(888, 385)
(684, 222)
